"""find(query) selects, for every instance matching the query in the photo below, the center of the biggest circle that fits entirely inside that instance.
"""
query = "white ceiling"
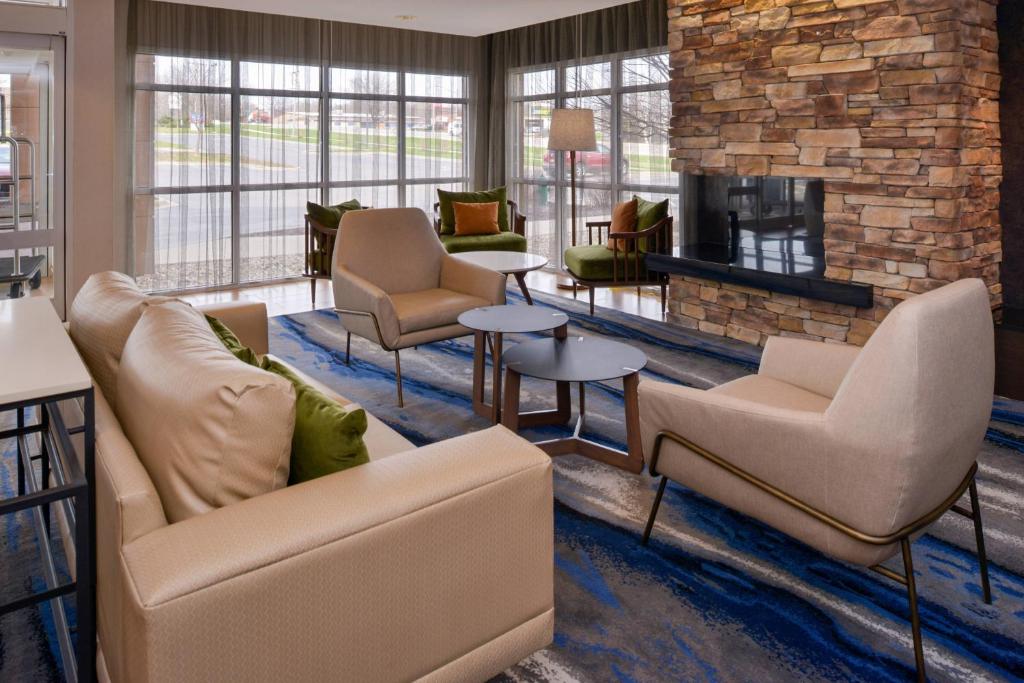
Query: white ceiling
(462, 17)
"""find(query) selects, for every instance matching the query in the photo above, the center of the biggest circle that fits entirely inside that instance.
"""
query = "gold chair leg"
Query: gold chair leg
(398, 380)
(979, 537)
(915, 617)
(654, 511)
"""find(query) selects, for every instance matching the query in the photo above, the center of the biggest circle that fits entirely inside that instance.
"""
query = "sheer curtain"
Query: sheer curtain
(240, 118)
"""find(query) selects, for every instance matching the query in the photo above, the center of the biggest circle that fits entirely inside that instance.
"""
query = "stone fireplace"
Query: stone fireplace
(893, 102)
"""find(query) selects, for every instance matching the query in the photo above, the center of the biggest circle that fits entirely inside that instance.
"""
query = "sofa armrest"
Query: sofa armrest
(247, 319)
(460, 276)
(386, 571)
(811, 365)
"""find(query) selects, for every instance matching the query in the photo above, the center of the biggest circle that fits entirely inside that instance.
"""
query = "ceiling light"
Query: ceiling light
(405, 17)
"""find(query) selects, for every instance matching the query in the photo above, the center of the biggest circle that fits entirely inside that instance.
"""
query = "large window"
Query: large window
(629, 96)
(228, 152)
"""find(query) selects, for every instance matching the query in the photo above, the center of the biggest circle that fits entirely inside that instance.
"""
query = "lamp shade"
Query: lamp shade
(572, 129)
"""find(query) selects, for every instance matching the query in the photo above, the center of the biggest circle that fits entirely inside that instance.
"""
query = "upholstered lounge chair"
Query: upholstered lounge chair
(395, 285)
(625, 265)
(852, 452)
(513, 239)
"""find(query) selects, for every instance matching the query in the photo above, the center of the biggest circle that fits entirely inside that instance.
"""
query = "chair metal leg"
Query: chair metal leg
(575, 289)
(979, 537)
(654, 511)
(664, 297)
(591, 290)
(398, 379)
(348, 348)
(915, 617)
(312, 292)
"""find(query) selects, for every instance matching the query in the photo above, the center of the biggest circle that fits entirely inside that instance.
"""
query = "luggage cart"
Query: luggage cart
(28, 269)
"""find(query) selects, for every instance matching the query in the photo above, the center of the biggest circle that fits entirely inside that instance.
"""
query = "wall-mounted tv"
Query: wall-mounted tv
(769, 224)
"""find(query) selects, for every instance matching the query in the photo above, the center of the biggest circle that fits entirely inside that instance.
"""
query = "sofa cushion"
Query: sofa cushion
(447, 211)
(328, 437)
(595, 262)
(430, 308)
(503, 241)
(209, 430)
(231, 342)
(102, 316)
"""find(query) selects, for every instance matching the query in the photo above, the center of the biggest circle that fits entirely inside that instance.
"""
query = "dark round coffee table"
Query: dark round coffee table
(489, 325)
(576, 359)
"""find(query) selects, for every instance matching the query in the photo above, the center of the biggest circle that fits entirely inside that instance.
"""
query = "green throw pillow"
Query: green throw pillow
(649, 213)
(328, 437)
(330, 216)
(445, 199)
(232, 343)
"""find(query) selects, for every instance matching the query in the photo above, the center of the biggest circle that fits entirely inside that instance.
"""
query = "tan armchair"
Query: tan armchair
(395, 285)
(853, 452)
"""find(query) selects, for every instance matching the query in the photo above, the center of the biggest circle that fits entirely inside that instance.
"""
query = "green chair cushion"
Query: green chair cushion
(596, 262)
(649, 213)
(503, 241)
(328, 436)
(445, 199)
(330, 216)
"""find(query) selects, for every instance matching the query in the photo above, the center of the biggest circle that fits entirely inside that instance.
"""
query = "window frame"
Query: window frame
(325, 97)
(616, 185)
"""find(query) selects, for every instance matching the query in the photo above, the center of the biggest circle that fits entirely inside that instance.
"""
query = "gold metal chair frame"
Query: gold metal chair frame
(380, 342)
(902, 536)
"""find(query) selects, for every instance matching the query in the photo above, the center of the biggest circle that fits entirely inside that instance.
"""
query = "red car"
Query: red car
(595, 163)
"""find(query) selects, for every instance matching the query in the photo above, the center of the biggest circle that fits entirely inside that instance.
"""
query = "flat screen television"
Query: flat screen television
(769, 224)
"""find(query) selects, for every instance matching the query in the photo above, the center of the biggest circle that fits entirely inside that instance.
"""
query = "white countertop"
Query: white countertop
(37, 358)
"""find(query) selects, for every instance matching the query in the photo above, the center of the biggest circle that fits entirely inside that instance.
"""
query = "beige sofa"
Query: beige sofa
(430, 563)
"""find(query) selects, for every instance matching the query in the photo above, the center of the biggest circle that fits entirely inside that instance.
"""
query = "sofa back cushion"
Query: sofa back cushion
(101, 318)
(209, 429)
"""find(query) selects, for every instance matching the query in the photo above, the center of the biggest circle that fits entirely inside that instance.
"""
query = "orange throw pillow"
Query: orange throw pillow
(476, 219)
(623, 220)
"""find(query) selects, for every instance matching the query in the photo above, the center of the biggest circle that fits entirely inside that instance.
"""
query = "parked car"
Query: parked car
(597, 162)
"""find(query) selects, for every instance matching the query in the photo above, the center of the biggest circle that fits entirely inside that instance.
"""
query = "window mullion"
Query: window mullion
(400, 136)
(236, 179)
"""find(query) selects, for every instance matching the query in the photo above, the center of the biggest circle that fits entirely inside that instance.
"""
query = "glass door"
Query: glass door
(31, 167)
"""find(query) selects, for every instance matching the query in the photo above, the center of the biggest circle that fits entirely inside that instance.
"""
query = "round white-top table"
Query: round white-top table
(514, 263)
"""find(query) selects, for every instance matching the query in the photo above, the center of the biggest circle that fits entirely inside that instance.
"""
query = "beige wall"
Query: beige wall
(95, 172)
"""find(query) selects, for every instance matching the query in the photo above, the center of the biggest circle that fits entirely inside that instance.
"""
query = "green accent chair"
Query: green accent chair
(513, 239)
(321, 232)
(594, 265)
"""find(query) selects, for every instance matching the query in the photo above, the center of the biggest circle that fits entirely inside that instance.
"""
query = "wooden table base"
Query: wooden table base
(631, 460)
(493, 342)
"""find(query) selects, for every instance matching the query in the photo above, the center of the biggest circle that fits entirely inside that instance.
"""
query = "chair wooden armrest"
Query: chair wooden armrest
(314, 228)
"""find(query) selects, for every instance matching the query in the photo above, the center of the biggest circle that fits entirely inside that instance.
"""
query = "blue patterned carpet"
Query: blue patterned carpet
(716, 596)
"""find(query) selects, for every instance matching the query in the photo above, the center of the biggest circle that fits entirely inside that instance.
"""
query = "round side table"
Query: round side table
(489, 325)
(580, 360)
(514, 263)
